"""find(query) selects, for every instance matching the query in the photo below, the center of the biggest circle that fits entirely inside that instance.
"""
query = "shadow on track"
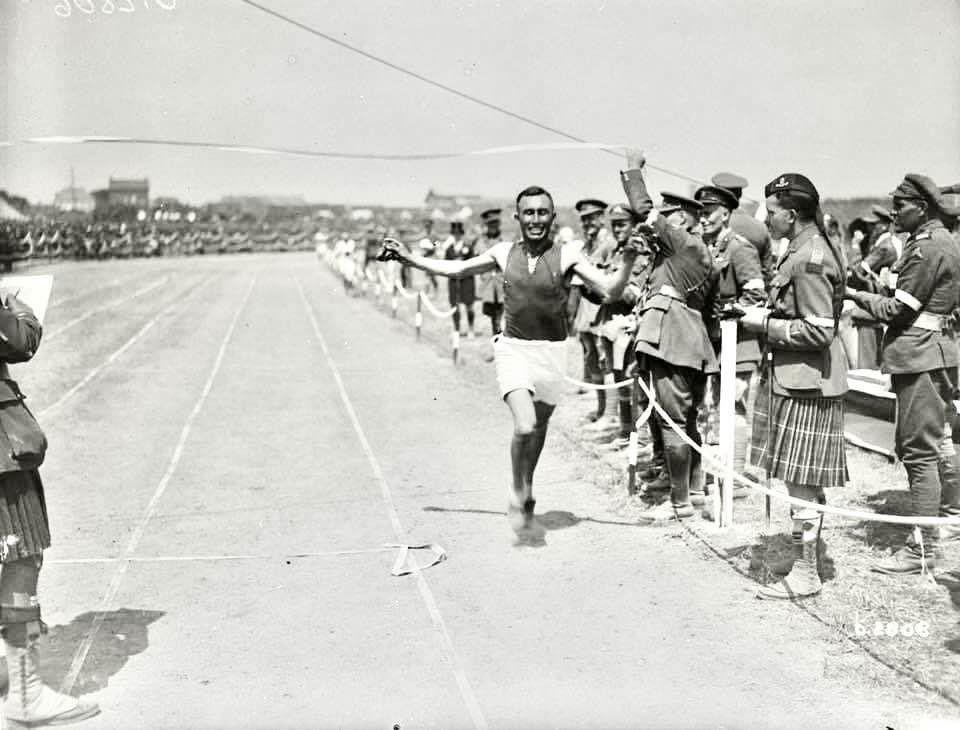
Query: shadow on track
(552, 520)
(122, 635)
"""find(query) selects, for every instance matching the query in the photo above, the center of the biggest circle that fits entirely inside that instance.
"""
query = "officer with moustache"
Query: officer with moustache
(737, 279)
(919, 350)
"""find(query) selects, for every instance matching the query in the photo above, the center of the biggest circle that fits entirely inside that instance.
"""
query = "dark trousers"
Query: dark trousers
(921, 402)
(680, 392)
(592, 370)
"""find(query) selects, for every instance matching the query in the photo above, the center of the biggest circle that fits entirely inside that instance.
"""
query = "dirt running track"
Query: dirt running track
(211, 419)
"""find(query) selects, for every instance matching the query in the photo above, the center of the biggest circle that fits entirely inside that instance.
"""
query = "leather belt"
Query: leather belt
(928, 321)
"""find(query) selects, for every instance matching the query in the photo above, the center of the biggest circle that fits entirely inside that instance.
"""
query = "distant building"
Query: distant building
(123, 193)
(451, 202)
(75, 200)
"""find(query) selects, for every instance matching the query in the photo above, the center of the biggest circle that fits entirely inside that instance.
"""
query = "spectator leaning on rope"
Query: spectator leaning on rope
(919, 350)
(531, 354)
(798, 418)
(24, 535)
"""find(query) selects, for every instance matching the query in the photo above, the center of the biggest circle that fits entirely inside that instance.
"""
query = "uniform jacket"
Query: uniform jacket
(584, 302)
(737, 279)
(491, 283)
(756, 233)
(670, 325)
(808, 357)
(636, 285)
(928, 281)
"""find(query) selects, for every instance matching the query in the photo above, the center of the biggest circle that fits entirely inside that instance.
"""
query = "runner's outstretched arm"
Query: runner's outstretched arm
(454, 269)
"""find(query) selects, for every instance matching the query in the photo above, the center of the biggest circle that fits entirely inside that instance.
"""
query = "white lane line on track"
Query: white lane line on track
(90, 292)
(466, 691)
(116, 354)
(81, 654)
(104, 307)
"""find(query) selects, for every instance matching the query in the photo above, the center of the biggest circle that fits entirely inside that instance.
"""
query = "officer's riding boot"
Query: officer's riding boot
(30, 703)
(698, 481)
(678, 460)
(804, 577)
(626, 424)
(950, 495)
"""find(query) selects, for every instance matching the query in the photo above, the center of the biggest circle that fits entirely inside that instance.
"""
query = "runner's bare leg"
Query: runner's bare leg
(524, 413)
(538, 437)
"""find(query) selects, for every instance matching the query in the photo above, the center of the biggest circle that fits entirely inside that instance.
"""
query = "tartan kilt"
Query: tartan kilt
(807, 439)
(23, 512)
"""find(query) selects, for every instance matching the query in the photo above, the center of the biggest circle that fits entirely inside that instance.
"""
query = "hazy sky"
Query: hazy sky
(853, 94)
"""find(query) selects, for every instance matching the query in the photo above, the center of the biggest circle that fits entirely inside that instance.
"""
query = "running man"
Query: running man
(530, 356)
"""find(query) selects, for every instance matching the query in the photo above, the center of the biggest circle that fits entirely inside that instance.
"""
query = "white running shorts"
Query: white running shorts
(534, 365)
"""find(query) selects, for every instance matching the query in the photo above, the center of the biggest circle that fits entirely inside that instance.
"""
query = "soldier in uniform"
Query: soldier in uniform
(737, 279)
(461, 291)
(745, 224)
(587, 307)
(798, 418)
(882, 249)
(919, 351)
(24, 535)
(491, 283)
(672, 342)
(617, 323)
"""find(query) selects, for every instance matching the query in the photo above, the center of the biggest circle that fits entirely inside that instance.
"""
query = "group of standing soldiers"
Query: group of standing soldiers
(789, 285)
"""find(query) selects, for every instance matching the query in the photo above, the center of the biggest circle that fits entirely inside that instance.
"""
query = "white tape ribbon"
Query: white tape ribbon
(439, 555)
(434, 311)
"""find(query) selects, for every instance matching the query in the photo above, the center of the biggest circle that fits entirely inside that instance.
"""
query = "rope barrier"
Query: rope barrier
(434, 311)
(596, 386)
(404, 293)
(839, 511)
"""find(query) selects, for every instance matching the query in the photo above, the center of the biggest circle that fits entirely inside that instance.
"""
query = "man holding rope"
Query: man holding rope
(530, 356)
(919, 351)
(672, 342)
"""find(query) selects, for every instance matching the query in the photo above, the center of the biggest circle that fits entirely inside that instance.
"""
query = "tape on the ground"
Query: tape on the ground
(399, 569)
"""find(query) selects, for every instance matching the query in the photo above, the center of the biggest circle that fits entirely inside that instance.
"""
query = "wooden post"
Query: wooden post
(766, 497)
(634, 447)
(728, 397)
(418, 317)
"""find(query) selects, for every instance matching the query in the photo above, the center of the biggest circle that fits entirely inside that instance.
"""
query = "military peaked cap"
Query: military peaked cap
(716, 195)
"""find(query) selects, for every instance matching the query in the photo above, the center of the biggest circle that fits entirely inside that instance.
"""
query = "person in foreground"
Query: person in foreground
(24, 535)
(530, 356)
